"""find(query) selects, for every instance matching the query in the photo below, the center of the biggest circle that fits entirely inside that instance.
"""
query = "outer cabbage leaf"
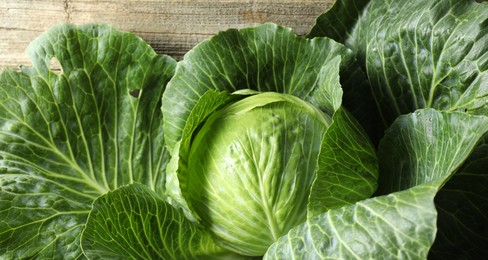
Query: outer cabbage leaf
(420, 152)
(68, 136)
(416, 54)
(347, 167)
(461, 202)
(435, 54)
(135, 222)
(396, 226)
(424, 54)
(441, 140)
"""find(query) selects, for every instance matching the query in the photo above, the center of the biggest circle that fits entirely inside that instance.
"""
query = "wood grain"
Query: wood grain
(170, 26)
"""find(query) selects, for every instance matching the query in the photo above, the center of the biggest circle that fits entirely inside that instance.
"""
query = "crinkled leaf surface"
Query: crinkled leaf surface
(68, 136)
(442, 140)
(425, 54)
(419, 153)
(416, 54)
(134, 222)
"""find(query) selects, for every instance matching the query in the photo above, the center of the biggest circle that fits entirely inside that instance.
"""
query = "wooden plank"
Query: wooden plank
(169, 26)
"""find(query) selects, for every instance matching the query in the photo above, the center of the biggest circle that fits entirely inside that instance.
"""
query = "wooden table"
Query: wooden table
(169, 26)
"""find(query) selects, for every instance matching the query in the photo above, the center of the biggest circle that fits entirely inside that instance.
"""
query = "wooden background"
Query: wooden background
(169, 26)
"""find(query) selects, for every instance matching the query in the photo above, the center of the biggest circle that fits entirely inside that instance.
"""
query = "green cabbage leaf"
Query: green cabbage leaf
(69, 135)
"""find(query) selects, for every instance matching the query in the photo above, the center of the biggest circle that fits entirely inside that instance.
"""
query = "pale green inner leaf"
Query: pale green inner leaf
(257, 158)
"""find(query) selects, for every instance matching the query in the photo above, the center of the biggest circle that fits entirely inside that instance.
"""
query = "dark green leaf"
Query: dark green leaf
(442, 141)
(425, 54)
(68, 136)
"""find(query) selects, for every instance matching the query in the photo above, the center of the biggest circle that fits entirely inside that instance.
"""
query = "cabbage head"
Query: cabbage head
(257, 134)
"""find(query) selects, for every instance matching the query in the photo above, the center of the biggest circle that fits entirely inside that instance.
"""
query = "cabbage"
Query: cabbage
(365, 140)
